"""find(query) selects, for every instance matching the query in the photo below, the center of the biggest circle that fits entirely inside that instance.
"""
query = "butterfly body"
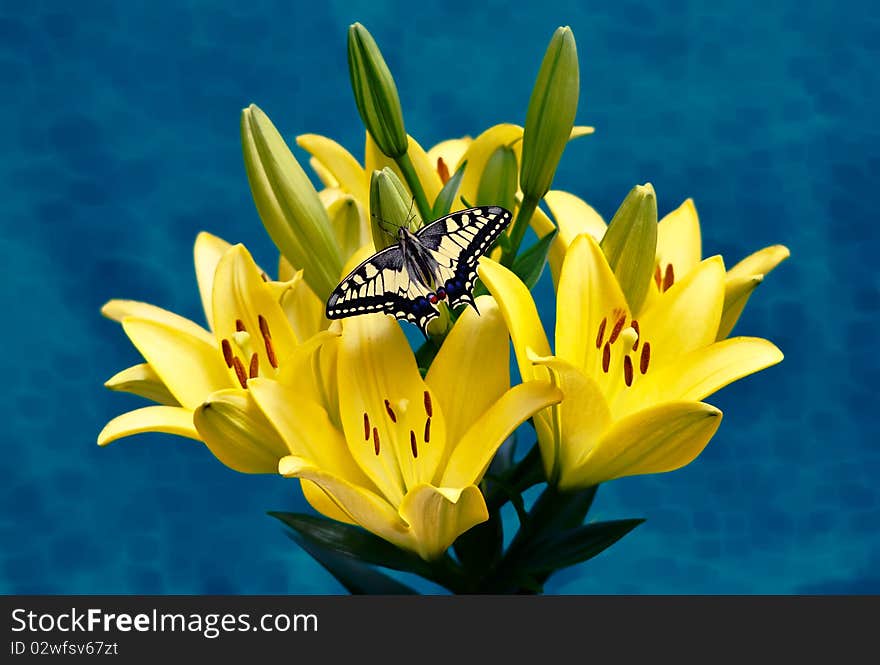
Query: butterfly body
(438, 262)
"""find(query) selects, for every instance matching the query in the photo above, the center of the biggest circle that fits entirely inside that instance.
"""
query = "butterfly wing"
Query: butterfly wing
(457, 241)
(382, 284)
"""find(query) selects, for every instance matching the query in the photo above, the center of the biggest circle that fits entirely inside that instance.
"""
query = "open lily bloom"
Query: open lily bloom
(406, 455)
(679, 250)
(255, 325)
(632, 385)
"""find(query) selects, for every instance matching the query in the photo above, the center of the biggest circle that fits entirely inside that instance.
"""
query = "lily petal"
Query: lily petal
(744, 278)
(190, 367)
(346, 170)
(323, 502)
(760, 263)
(142, 380)
(306, 429)
(117, 310)
(439, 515)
(243, 301)
(363, 507)
(588, 295)
(736, 294)
(304, 310)
(478, 153)
(238, 434)
(394, 424)
(207, 252)
(324, 175)
(661, 438)
(686, 317)
(701, 372)
(578, 420)
(348, 221)
(542, 225)
(474, 354)
(519, 313)
(474, 452)
(167, 419)
(574, 216)
(678, 239)
(450, 151)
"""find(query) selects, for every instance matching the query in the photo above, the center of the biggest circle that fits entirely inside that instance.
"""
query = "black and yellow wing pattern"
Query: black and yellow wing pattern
(409, 279)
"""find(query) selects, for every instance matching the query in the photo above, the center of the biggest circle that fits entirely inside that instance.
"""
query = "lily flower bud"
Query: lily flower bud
(391, 207)
(630, 243)
(375, 93)
(288, 203)
(550, 116)
(498, 181)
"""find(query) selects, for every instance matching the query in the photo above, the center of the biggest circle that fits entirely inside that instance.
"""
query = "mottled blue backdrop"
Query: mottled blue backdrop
(120, 142)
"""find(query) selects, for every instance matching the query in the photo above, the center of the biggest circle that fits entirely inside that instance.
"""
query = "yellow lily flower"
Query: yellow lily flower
(255, 325)
(632, 386)
(679, 250)
(403, 455)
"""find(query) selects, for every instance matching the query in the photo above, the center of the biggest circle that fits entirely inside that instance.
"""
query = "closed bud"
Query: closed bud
(288, 204)
(391, 207)
(375, 93)
(550, 116)
(630, 243)
(498, 180)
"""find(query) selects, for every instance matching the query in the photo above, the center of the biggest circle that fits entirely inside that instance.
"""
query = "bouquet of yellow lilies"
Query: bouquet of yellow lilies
(407, 456)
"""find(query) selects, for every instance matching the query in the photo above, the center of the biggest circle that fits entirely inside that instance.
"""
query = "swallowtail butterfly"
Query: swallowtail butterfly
(438, 262)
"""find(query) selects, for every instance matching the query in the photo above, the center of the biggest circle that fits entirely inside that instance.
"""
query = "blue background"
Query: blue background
(120, 142)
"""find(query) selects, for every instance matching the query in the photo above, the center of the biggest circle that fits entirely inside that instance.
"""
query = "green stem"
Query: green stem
(412, 181)
(518, 230)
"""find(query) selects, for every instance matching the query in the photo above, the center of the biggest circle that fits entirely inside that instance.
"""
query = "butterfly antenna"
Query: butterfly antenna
(387, 227)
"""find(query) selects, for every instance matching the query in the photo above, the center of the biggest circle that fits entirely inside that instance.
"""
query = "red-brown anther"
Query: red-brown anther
(606, 357)
(239, 372)
(264, 326)
(628, 370)
(390, 411)
(366, 427)
(254, 369)
(428, 430)
(270, 351)
(264, 276)
(376, 440)
(239, 325)
(645, 358)
(442, 170)
(669, 277)
(429, 408)
(412, 443)
(601, 336)
(658, 277)
(635, 326)
(227, 352)
(618, 327)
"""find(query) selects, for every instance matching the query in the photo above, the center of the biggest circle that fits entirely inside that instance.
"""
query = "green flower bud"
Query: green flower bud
(391, 207)
(288, 203)
(630, 243)
(550, 117)
(498, 181)
(375, 93)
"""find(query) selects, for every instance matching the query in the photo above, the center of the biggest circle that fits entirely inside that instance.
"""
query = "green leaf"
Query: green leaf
(353, 541)
(356, 577)
(444, 200)
(529, 265)
(573, 546)
(480, 547)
